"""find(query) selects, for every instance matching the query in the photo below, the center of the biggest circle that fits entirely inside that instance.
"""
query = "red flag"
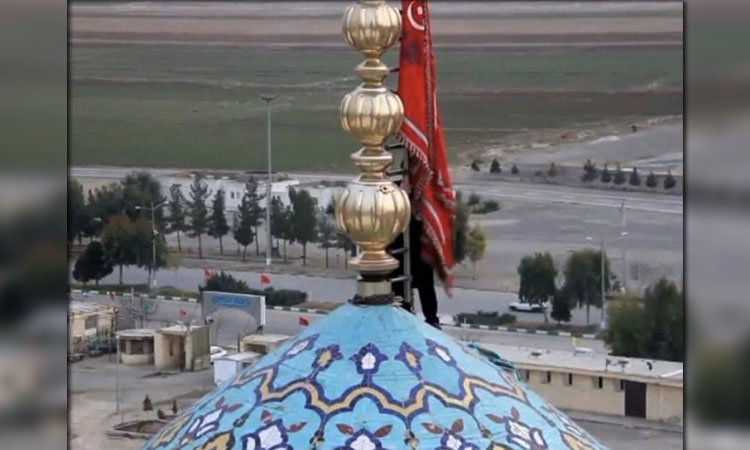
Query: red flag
(265, 278)
(183, 313)
(207, 273)
(430, 185)
(303, 321)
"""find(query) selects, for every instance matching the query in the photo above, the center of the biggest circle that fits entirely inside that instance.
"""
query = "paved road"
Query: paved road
(341, 290)
(531, 192)
(574, 196)
(230, 324)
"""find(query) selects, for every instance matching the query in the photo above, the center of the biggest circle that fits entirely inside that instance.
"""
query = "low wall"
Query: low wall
(582, 395)
(137, 359)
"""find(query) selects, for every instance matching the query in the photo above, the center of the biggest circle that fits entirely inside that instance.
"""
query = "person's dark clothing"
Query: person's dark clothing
(423, 278)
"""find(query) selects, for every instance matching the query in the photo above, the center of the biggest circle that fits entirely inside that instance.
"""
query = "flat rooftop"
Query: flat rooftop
(582, 361)
(179, 329)
(78, 307)
(240, 357)
(265, 338)
(136, 333)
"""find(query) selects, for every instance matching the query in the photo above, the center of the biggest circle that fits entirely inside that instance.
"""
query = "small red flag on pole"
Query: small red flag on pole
(183, 313)
(303, 321)
(265, 278)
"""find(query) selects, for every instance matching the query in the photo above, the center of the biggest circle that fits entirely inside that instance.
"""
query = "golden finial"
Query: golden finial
(372, 210)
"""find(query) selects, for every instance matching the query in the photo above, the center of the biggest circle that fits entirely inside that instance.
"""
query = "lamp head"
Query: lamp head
(268, 98)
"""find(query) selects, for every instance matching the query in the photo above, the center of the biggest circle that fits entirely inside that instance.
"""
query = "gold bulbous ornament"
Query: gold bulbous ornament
(371, 115)
(371, 26)
(372, 214)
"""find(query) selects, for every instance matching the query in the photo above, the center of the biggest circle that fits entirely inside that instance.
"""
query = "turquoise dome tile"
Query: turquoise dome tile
(372, 378)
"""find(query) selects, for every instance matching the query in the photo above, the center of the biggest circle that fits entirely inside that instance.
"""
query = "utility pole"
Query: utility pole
(152, 280)
(268, 98)
(153, 245)
(601, 257)
(117, 379)
(623, 234)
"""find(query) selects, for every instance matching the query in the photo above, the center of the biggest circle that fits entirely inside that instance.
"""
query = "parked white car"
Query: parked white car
(528, 307)
(217, 352)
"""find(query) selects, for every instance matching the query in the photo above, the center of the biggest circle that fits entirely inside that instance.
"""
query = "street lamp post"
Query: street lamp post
(624, 234)
(117, 378)
(601, 259)
(268, 98)
(153, 209)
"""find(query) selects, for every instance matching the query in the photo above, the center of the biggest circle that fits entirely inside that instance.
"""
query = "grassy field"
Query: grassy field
(198, 106)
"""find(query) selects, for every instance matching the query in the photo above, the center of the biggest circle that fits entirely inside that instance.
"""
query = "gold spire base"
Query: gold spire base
(374, 263)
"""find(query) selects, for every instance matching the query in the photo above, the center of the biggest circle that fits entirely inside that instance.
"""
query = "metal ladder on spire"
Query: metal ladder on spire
(399, 176)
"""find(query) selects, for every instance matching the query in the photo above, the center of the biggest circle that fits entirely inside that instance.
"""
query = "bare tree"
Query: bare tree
(137, 308)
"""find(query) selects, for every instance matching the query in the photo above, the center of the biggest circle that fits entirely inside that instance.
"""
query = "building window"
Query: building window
(569, 379)
(547, 378)
(599, 382)
(91, 322)
(619, 385)
(527, 375)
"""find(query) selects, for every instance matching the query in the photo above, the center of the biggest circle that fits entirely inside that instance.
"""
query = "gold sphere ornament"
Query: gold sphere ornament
(372, 214)
(371, 115)
(371, 26)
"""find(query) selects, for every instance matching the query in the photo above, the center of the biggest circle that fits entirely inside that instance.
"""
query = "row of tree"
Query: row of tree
(591, 173)
(495, 167)
(582, 286)
(648, 326)
(117, 219)
(120, 234)
(111, 217)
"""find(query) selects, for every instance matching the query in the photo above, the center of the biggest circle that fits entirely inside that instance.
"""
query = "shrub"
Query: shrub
(474, 199)
(619, 177)
(495, 166)
(606, 176)
(589, 172)
(224, 282)
(552, 171)
(486, 318)
(283, 297)
(514, 170)
(635, 179)
(560, 309)
(490, 205)
(669, 181)
(475, 165)
(486, 206)
(651, 180)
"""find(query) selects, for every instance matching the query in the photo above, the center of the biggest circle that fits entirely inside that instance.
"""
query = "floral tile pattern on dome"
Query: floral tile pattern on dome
(373, 377)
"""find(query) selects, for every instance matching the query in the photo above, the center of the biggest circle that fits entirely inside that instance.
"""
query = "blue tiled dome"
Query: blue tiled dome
(371, 378)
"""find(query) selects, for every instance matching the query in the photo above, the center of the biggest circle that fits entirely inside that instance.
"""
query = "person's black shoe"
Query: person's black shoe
(434, 324)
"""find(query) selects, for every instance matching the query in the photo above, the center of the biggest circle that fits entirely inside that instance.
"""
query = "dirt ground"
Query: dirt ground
(157, 84)
(92, 399)
(189, 21)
